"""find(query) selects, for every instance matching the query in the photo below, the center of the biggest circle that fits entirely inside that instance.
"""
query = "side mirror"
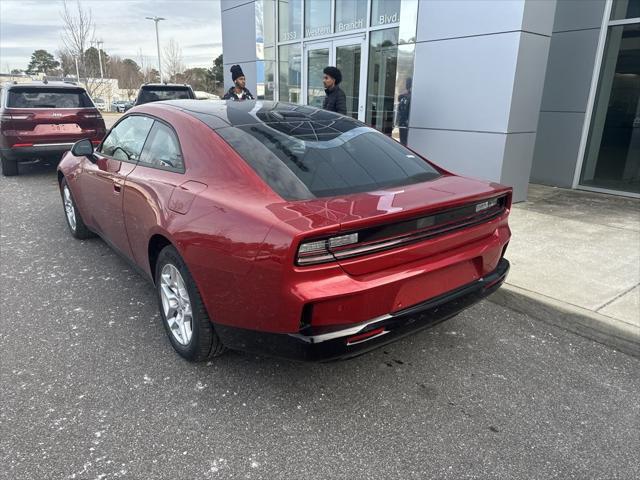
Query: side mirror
(82, 148)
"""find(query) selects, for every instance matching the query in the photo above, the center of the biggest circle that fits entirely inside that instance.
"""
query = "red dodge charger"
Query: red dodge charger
(285, 229)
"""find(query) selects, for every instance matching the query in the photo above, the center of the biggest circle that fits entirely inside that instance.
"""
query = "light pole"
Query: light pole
(156, 20)
(77, 70)
(99, 43)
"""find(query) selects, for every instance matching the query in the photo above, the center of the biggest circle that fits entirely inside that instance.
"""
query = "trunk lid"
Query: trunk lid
(398, 221)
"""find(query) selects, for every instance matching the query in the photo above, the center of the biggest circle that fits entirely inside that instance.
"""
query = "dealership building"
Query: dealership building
(514, 91)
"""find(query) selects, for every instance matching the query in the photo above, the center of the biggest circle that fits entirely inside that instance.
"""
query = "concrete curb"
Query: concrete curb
(586, 323)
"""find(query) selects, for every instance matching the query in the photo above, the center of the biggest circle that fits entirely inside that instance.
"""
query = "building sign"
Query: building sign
(286, 36)
(355, 25)
(314, 32)
(389, 18)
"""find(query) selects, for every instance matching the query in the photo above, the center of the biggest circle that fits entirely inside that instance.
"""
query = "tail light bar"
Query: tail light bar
(7, 117)
(320, 251)
(91, 115)
(384, 237)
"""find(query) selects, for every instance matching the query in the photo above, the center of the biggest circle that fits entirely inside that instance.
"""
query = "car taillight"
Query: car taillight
(387, 236)
(319, 251)
(91, 115)
(7, 117)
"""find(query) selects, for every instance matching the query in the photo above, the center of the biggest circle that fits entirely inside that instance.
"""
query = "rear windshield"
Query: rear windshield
(48, 98)
(308, 159)
(156, 94)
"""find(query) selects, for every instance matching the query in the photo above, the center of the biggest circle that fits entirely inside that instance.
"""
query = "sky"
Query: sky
(28, 25)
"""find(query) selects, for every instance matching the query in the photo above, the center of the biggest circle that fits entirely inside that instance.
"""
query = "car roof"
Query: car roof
(226, 113)
(156, 85)
(34, 84)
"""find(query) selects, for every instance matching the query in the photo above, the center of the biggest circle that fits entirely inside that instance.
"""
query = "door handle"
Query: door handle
(117, 188)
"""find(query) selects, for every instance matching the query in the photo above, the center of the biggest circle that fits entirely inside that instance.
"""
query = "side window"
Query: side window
(125, 140)
(162, 149)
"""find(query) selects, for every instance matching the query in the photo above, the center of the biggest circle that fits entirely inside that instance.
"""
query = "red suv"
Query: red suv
(43, 120)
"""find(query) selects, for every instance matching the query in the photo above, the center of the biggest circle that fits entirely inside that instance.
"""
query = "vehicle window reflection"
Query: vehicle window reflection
(126, 139)
(162, 149)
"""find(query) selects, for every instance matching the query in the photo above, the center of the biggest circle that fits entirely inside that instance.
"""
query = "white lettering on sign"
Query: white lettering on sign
(384, 19)
(345, 27)
(289, 36)
(314, 32)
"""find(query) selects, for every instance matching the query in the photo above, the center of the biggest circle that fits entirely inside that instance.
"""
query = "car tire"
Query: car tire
(9, 167)
(72, 216)
(178, 297)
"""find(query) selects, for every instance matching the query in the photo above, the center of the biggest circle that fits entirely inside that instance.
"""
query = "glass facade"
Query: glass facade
(350, 15)
(317, 59)
(623, 9)
(389, 83)
(317, 18)
(392, 12)
(385, 12)
(269, 73)
(348, 61)
(612, 157)
(289, 20)
(290, 72)
(372, 42)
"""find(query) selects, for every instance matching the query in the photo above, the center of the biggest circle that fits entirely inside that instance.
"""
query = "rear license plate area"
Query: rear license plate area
(423, 287)
(58, 128)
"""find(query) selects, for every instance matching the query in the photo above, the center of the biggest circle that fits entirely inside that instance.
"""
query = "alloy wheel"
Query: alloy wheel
(69, 208)
(176, 304)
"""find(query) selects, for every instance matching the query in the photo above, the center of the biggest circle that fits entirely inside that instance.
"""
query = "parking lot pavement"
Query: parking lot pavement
(91, 388)
(110, 118)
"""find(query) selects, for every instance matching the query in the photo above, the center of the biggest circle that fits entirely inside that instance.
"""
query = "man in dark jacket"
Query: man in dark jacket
(404, 108)
(238, 92)
(336, 100)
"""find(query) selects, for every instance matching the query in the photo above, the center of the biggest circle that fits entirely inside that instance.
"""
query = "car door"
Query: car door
(149, 206)
(102, 180)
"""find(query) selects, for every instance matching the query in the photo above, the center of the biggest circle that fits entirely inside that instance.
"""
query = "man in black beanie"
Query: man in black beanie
(238, 92)
(336, 100)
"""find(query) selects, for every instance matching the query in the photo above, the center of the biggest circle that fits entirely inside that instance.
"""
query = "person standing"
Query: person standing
(404, 107)
(239, 91)
(336, 100)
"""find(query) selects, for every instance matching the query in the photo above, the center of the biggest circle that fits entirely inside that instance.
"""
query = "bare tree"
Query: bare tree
(77, 31)
(145, 67)
(173, 59)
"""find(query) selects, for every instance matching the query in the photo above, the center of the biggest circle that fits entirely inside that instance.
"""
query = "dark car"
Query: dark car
(43, 120)
(155, 92)
(285, 229)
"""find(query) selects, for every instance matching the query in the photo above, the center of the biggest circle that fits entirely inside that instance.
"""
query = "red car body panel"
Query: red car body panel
(240, 239)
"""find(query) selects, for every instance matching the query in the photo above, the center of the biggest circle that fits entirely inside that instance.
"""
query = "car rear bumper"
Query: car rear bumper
(360, 338)
(36, 150)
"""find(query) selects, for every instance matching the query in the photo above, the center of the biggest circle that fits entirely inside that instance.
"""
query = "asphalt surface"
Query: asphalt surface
(110, 118)
(91, 388)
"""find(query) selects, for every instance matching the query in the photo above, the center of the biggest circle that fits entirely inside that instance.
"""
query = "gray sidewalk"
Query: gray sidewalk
(575, 262)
